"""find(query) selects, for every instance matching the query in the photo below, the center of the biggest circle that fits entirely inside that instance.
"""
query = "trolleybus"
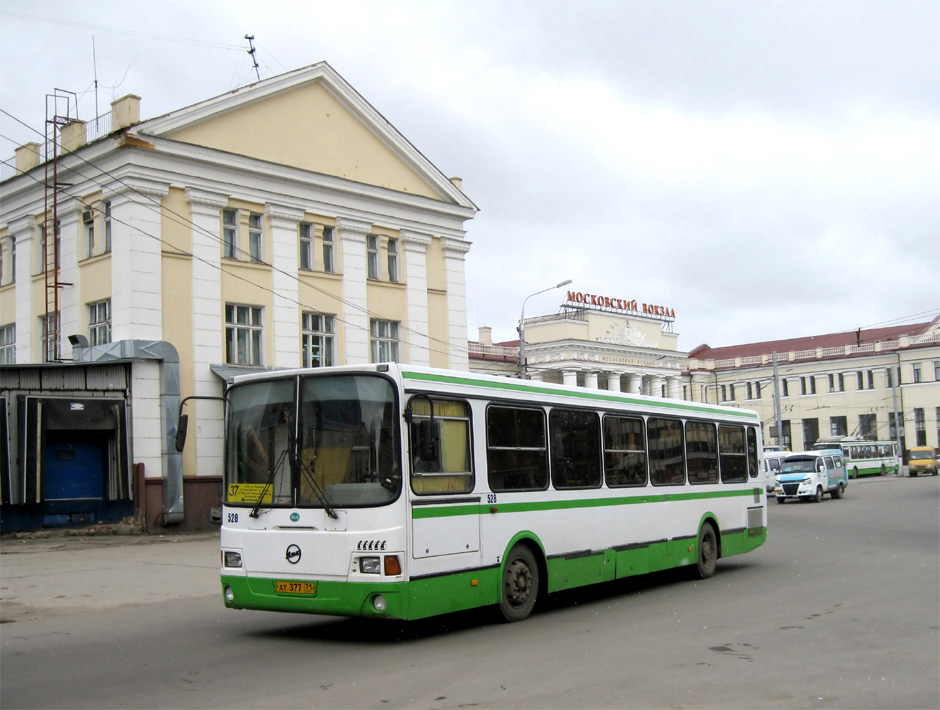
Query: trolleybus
(865, 457)
(403, 492)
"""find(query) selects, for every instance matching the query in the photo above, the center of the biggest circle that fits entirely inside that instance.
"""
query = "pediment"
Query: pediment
(310, 119)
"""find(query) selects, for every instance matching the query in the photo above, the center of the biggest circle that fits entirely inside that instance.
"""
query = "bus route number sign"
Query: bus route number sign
(250, 493)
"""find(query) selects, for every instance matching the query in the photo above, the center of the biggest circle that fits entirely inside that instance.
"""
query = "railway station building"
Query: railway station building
(144, 262)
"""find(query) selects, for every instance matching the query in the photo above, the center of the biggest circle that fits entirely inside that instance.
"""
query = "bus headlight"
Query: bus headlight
(369, 565)
(231, 559)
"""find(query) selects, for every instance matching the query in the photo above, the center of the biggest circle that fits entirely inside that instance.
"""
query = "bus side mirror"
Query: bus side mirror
(181, 432)
(428, 443)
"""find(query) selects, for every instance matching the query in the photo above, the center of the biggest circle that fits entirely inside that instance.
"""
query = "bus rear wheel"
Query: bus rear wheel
(520, 587)
(708, 551)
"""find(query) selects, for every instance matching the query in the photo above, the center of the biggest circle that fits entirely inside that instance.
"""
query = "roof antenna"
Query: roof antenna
(252, 53)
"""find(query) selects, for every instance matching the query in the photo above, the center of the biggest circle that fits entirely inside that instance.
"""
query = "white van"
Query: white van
(808, 475)
(772, 461)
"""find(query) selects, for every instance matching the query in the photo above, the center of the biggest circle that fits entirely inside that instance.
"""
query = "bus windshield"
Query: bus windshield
(799, 466)
(340, 450)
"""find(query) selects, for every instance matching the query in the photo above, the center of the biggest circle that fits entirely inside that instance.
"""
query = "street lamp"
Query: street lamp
(521, 328)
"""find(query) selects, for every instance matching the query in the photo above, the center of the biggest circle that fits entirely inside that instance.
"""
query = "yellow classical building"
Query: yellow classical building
(280, 225)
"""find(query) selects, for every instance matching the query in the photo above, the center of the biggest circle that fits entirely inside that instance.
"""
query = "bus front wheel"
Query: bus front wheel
(708, 551)
(520, 586)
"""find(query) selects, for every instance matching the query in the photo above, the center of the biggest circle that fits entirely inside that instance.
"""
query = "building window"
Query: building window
(838, 426)
(107, 227)
(916, 374)
(50, 337)
(786, 388)
(802, 385)
(243, 331)
(13, 262)
(810, 432)
(88, 222)
(860, 385)
(99, 322)
(229, 233)
(757, 390)
(920, 428)
(317, 340)
(372, 252)
(384, 341)
(255, 237)
(328, 263)
(936, 365)
(731, 392)
(306, 246)
(871, 379)
(812, 384)
(724, 393)
(393, 260)
(868, 426)
(8, 344)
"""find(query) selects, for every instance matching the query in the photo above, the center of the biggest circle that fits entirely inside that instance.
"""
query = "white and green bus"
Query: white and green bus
(403, 492)
(865, 457)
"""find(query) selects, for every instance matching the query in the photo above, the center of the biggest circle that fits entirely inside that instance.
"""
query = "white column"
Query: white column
(613, 381)
(672, 387)
(205, 215)
(70, 315)
(656, 386)
(570, 377)
(136, 260)
(352, 236)
(416, 292)
(590, 380)
(23, 232)
(537, 376)
(634, 383)
(455, 252)
(283, 221)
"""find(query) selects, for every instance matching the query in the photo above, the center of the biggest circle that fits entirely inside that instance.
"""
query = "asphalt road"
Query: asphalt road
(840, 609)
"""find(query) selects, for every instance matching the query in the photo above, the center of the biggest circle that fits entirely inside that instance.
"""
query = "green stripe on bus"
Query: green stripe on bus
(593, 395)
(456, 510)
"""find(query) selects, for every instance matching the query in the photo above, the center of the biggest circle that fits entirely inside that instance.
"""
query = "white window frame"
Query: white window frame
(230, 234)
(244, 334)
(317, 339)
(329, 253)
(50, 347)
(305, 257)
(99, 322)
(88, 224)
(107, 227)
(372, 256)
(8, 344)
(393, 260)
(385, 345)
(255, 237)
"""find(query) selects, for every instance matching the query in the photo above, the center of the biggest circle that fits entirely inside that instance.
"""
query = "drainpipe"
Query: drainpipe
(166, 354)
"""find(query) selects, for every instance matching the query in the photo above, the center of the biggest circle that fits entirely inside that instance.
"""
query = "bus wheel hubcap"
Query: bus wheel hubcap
(518, 582)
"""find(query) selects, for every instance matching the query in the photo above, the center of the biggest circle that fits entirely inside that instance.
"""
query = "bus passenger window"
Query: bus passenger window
(753, 464)
(666, 452)
(701, 447)
(624, 451)
(732, 454)
(516, 453)
(575, 452)
(450, 471)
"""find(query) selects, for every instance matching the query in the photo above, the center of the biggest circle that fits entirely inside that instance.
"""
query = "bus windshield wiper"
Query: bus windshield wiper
(269, 484)
(311, 478)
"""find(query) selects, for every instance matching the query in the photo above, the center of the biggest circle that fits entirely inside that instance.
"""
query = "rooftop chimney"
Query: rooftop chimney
(486, 335)
(125, 112)
(27, 157)
(73, 135)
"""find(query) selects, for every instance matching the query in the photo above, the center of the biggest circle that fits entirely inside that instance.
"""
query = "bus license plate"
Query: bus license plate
(282, 587)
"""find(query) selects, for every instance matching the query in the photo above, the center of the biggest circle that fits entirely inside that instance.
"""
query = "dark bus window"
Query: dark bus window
(666, 452)
(516, 452)
(575, 448)
(733, 454)
(701, 447)
(624, 451)
(753, 464)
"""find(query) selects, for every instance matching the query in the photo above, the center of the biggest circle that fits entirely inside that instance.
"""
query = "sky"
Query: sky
(765, 169)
